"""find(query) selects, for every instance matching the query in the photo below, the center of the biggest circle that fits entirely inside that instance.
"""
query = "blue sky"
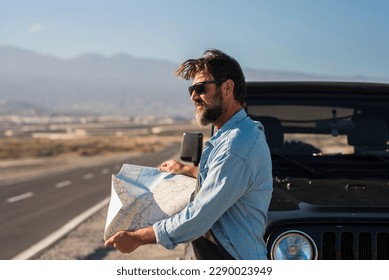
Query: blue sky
(331, 37)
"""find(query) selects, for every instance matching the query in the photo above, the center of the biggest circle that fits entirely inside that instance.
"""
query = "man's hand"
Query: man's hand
(172, 166)
(129, 241)
(176, 167)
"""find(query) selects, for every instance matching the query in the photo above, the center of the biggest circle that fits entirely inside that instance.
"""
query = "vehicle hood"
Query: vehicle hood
(290, 193)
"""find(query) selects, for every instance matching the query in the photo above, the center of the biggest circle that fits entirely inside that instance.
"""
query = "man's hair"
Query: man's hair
(220, 66)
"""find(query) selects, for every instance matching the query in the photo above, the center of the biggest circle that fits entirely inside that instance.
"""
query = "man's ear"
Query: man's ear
(229, 87)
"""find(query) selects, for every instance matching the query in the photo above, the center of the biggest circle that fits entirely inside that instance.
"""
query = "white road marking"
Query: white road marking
(44, 243)
(63, 184)
(20, 197)
(105, 171)
(88, 176)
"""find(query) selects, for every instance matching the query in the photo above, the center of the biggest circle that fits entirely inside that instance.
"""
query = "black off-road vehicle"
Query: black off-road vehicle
(330, 153)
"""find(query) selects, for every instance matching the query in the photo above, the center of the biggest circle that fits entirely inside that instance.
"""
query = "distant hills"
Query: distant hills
(34, 83)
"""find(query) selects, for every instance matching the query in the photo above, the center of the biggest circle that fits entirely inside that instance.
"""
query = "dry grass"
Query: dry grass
(22, 159)
(90, 146)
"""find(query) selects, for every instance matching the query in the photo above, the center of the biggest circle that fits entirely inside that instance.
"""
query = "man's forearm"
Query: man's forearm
(146, 235)
(128, 241)
(191, 171)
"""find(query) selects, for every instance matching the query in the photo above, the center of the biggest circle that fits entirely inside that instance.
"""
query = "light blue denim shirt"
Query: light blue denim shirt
(235, 179)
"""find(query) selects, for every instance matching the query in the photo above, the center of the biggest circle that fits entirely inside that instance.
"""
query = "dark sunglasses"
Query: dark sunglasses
(199, 88)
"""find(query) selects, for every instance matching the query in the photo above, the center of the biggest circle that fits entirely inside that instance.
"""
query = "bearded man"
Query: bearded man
(227, 217)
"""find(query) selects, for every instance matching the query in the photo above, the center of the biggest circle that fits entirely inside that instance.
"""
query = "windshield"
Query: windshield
(321, 130)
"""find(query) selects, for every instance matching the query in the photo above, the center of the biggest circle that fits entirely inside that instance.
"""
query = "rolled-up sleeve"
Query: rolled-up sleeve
(161, 235)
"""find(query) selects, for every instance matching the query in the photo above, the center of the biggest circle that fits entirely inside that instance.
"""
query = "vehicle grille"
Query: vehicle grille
(354, 245)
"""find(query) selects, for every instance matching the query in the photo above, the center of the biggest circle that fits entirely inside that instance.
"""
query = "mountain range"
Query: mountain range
(34, 83)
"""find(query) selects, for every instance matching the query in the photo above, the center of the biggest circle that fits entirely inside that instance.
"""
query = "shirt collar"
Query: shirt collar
(241, 114)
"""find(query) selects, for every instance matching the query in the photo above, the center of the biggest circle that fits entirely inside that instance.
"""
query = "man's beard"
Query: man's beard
(209, 113)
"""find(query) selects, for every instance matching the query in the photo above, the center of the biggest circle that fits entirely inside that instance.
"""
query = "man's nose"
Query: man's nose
(194, 96)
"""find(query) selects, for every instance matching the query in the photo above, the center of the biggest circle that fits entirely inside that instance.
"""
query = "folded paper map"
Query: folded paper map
(142, 196)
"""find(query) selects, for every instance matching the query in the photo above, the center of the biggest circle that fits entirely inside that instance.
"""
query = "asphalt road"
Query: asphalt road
(31, 210)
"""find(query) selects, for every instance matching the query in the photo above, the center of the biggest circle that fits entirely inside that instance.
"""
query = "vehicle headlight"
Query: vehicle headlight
(293, 245)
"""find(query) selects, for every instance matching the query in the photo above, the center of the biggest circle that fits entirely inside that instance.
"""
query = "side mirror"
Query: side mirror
(191, 147)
